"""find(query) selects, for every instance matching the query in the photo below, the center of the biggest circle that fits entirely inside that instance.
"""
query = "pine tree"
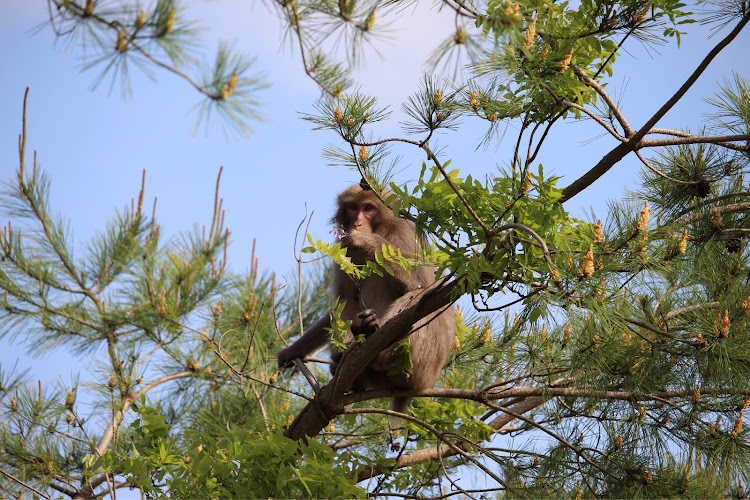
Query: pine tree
(607, 357)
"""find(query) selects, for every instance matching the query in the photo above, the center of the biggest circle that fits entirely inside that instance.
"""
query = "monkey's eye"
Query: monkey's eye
(368, 208)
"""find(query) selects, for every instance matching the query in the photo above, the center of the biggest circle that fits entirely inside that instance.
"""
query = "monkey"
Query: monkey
(367, 224)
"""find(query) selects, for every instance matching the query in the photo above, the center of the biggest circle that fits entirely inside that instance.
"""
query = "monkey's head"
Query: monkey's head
(359, 210)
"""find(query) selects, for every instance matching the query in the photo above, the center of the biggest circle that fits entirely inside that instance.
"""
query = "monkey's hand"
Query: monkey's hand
(286, 357)
(362, 246)
(366, 324)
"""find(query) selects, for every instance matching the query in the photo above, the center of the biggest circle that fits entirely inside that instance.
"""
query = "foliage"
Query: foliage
(601, 358)
(247, 463)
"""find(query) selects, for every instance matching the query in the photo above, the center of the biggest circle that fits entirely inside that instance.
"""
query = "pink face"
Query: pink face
(361, 216)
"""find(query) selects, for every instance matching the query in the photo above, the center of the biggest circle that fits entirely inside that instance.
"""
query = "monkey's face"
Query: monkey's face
(361, 216)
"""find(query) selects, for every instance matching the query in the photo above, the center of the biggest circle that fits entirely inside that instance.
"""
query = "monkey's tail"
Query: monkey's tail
(400, 405)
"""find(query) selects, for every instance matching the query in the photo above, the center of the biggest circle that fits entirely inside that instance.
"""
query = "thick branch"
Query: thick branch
(329, 401)
(540, 391)
(722, 140)
(534, 397)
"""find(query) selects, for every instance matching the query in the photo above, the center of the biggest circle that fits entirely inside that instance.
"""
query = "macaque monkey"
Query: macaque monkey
(368, 224)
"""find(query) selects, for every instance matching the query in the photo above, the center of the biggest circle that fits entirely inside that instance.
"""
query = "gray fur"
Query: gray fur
(376, 299)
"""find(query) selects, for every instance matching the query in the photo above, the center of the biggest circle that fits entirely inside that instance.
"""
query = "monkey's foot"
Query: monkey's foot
(285, 357)
(366, 324)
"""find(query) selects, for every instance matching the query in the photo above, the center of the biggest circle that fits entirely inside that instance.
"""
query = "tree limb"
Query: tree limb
(619, 152)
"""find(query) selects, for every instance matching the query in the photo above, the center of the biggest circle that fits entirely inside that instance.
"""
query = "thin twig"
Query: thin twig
(25, 485)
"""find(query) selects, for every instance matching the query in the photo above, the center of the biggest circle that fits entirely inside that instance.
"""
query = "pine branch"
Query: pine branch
(619, 152)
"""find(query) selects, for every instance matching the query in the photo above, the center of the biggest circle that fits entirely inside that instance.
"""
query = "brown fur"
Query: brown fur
(373, 301)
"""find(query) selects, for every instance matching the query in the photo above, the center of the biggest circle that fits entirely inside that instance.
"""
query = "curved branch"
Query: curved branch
(453, 449)
(443, 450)
(109, 433)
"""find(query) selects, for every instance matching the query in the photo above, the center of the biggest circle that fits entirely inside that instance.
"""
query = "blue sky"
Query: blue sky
(94, 145)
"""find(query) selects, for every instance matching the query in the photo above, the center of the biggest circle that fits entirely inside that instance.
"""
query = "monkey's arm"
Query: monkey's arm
(313, 339)
(361, 247)
(317, 335)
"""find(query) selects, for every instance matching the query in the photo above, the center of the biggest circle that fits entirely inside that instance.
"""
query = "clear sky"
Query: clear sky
(94, 144)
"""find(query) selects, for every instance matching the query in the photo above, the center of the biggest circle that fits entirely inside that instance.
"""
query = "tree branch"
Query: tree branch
(619, 152)
(330, 400)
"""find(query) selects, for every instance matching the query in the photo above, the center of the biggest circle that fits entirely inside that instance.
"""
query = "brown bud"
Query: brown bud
(682, 245)
(737, 427)
(141, 19)
(460, 36)
(526, 184)
(556, 275)
(473, 101)
(716, 221)
(587, 268)
(486, 334)
(565, 61)
(370, 21)
(643, 218)
(230, 86)
(724, 326)
(192, 365)
(122, 42)
(171, 18)
(513, 11)
(528, 37)
(363, 152)
(641, 15)
(162, 306)
(598, 233)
